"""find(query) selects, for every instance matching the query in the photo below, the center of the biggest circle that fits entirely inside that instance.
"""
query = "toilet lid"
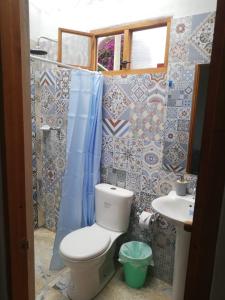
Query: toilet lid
(84, 243)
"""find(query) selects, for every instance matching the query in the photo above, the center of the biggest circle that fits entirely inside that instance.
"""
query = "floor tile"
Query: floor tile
(54, 288)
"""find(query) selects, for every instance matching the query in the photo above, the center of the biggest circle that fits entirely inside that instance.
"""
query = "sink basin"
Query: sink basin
(177, 209)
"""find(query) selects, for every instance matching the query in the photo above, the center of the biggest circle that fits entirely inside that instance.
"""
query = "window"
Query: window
(133, 48)
(75, 48)
(140, 47)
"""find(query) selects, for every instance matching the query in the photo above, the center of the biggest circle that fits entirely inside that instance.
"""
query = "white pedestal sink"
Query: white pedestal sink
(178, 210)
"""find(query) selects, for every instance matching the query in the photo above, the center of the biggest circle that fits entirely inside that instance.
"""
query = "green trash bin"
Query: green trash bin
(135, 257)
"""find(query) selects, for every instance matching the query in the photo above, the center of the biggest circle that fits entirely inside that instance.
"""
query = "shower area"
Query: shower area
(49, 102)
(51, 112)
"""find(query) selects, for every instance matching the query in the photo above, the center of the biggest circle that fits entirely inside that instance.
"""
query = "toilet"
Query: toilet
(89, 251)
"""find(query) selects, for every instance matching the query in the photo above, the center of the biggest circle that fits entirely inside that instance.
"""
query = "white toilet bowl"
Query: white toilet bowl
(89, 251)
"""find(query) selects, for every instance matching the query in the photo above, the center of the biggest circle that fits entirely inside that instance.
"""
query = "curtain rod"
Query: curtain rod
(57, 63)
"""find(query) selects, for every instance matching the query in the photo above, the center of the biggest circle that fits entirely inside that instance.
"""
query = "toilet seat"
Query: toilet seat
(85, 243)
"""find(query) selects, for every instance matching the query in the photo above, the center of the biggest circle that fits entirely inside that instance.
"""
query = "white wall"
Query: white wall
(47, 15)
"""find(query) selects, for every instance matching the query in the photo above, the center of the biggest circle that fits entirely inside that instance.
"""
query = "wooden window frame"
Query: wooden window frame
(127, 30)
(81, 33)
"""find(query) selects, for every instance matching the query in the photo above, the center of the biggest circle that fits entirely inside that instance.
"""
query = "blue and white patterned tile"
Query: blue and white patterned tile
(174, 156)
(161, 80)
(171, 112)
(61, 106)
(120, 161)
(103, 174)
(47, 78)
(153, 120)
(50, 212)
(107, 143)
(48, 100)
(117, 128)
(182, 77)
(181, 28)
(166, 182)
(59, 149)
(175, 71)
(184, 113)
(176, 98)
(51, 86)
(121, 145)
(171, 124)
(188, 73)
(171, 102)
(116, 102)
(183, 125)
(179, 51)
(51, 176)
(133, 182)
(134, 163)
(113, 176)
(63, 78)
(121, 178)
(146, 182)
(138, 88)
(61, 164)
(186, 102)
(152, 155)
(107, 159)
(158, 182)
(183, 137)
(135, 147)
(136, 123)
(170, 135)
(200, 42)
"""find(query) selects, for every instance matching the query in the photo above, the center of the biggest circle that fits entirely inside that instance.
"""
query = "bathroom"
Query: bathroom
(117, 97)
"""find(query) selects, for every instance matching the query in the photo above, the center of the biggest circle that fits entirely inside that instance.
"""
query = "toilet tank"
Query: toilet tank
(112, 207)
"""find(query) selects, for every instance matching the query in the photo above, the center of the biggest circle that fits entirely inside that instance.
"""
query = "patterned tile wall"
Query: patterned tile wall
(132, 155)
(146, 131)
(190, 44)
(50, 96)
(34, 149)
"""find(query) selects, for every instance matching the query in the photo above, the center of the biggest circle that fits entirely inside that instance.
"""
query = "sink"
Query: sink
(179, 211)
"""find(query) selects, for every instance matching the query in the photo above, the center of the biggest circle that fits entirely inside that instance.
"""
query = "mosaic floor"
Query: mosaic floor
(52, 285)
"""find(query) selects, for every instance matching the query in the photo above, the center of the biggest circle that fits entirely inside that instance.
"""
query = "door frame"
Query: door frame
(211, 179)
(16, 147)
(15, 120)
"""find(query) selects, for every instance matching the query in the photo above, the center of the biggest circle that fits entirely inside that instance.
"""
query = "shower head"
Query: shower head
(38, 51)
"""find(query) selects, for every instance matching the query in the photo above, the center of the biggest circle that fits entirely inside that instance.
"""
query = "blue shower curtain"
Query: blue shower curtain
(84, 139)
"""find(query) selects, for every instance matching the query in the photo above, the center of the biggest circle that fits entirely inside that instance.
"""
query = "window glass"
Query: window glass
(148, 48)
(76, 49)
(110, 53)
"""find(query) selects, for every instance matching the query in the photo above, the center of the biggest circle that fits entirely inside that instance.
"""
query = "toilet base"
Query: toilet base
(88, 282)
